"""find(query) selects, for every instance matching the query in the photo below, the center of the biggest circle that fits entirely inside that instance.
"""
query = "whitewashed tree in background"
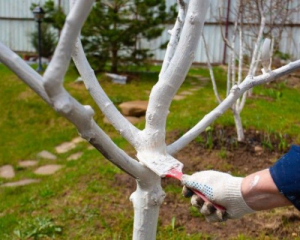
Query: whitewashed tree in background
(149, 143)
(234, 71)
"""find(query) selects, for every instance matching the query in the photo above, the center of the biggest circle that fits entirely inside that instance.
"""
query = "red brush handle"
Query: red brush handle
(204, 198)
(174, 173)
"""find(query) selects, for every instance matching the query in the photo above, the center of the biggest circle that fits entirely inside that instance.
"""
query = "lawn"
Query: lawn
(82, 200)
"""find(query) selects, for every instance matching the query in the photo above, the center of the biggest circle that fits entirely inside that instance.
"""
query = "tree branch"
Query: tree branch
(175, 35)
(126, 129)
(23, 71)
(235, 93)
(79, 115)
(170, 81)
(54, 75)
(211, 72)
(257, 44)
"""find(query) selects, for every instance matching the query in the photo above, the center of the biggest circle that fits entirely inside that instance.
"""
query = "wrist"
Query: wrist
(260, 192)
(236, 205)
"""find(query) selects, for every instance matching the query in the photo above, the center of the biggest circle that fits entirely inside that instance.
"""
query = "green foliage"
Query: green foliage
(223, 153)
(37, 228)
(209, 140)
(283, 145)
(85, 198)
(267, 142)
(173, 224)
(54, 19)
(114, 29)
(48, 41)
(54, 16)
(283, 56)
(273, 93)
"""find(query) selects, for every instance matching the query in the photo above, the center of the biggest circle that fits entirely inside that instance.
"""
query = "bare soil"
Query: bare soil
(228, 155)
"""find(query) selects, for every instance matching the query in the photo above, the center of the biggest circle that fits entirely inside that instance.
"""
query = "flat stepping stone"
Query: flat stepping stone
(178, 97)
(23, 182)
(78, 140)
(7, 172)
(204, 78)
(195, 89)
(134, 108)
(46, 155)
(131, 119)
(185, 93)
(135, 120)
(91, 147)
(75, 156)
(47, 169)
(65, 147)
(28, 163)
(106, 121)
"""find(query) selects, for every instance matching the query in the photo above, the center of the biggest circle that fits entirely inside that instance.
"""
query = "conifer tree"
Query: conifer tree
(115, 29)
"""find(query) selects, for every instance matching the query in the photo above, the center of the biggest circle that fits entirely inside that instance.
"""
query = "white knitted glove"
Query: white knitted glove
(219, 188)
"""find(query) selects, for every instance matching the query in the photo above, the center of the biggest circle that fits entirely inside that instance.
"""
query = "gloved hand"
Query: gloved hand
(220, 188)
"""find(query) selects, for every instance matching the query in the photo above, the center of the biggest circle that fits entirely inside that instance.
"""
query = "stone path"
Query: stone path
(178, 97)
(47, 169)
(28, 163)
(7, 172)
(182, 95)
(65, 147)
(134, 108)
(133, 111)
(186, 93)
(46, 155)
(75, 156)
(23, 182)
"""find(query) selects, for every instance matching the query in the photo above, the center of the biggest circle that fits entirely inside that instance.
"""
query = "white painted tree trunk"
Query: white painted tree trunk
(146, 203)
(238, 106)
(239, 126)
(149, 143)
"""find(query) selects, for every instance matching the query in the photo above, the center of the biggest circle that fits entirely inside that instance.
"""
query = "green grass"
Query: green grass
(81, 199)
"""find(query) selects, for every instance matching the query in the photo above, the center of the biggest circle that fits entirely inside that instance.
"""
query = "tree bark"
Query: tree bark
(239, 126)
(114, 60)
(146, 200)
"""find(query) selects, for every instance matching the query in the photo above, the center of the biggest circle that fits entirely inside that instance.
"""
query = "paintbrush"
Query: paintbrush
(167, 166)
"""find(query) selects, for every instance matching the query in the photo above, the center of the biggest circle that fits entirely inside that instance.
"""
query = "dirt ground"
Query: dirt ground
(225, 154)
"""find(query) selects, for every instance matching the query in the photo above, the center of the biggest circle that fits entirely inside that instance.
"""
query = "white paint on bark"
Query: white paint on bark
(149, 143)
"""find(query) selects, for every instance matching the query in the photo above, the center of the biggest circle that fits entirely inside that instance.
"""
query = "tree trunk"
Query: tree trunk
(114, 60)
(146, 200)
(239, 126)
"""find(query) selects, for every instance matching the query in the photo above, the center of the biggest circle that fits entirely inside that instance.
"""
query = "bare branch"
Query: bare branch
(170, 81)
(235, 93)
(257, 46)
(80, 116)
(226, 41)
(241, 52)
(231, 58)
(126, 129)
(211, 72)
(54, 75)
(175, 35)
(23, 71)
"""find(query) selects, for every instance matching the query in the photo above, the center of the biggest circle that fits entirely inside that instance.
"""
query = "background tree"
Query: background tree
(54, 16)
(54, 20)
(247, 38)
(48, 40)
(114, 30)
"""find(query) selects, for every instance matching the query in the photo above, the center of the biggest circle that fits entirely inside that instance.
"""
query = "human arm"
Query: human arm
(270, 188)
(239, 196)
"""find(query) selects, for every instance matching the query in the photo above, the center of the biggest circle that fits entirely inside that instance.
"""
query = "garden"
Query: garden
(90, 197)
